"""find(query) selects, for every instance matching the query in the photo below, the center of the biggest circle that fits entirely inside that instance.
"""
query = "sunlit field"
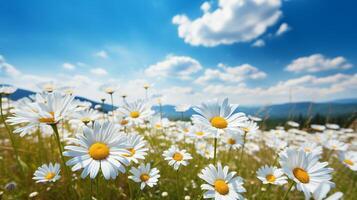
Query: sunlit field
(56, 147)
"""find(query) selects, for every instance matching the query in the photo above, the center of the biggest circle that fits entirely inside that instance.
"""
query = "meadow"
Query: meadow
(102, 155)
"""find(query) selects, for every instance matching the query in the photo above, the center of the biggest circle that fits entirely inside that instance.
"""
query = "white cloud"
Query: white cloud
(283, 28)
(205, 7)
(174, 66)
(98, 71)
(69, 66)
(7, 69)
(101, 54)
(258, 43)
(230, 74)
(317, 63)
(233, 21)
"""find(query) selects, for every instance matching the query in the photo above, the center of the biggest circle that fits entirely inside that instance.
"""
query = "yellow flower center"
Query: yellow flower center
(177, 156)
(200, 133)
(50, 175)
(301, 175)
(48, 120)
(231, 141)
(307, 149)
(219, 122)
(246, 129)
(99, 151)
(109, 90)
(86, 120)
(221, 187)
(348, 162)
(270, 178)
(124, 122)
(134, 114)
(158, 126)
(132, 152)
(144, 177)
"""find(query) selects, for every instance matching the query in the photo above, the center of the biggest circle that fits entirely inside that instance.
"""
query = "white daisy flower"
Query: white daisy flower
(145, 175)
(336, 145)
(221, 183)
(176, 157)
(99, 148)
(234, 140)
(85, 116)
(271, 175)
(136, 145)
(49, 108)
(349, 159)
(250, 127)
(293, 124)
(305, 170)
(47, 173)
(311, 147)
(199, 131)
(219, 118)
(321, 192)
(137, 111)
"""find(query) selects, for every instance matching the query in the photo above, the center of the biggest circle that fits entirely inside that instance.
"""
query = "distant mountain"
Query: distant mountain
(332, 108)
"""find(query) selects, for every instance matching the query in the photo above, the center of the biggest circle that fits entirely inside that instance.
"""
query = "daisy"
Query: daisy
(99, 148)
(85, 116)
(145, 175)
(311, 147)
(221, 183)
(137, 111)
(47, 173)
(318, 127)
(271, 175)
(321, 192)
(176, 157)
(109, 88)
(136, 146)
(48, 108)
(49, 86)
(336, 145)
(293, 124)
(305, 170)
(234, 141)
(250, 127)
(219, 117)
(349, 159)
(199, 131)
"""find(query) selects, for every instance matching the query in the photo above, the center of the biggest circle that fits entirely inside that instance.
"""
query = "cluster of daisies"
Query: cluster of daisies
(107, 144)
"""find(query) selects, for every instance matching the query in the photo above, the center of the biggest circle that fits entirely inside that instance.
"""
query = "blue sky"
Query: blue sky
(134, 42)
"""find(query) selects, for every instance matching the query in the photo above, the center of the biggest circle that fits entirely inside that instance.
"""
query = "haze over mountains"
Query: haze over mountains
(335, 108)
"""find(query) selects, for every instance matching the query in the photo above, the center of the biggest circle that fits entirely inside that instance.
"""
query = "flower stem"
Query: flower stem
(60, 148)
(215, 151)
(242, 150)
(178, 185)
(12, 140)
(287, 192)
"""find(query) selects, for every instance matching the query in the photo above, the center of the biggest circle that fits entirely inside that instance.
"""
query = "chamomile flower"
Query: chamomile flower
(137, 111)
(176, 157)
(293, 124)
(250, 127)
(100, 148)
(85, 116)
(336, 145)
(221, 184)
(311, 147)
(136, 145)
(145, 175)
(234, 140)
(305, 170)
(349, 159)
(199, 131)
(271, 175)
(219, 117)
(47, 173)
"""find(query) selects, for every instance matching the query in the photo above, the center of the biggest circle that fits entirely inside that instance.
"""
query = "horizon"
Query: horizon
(290, 51)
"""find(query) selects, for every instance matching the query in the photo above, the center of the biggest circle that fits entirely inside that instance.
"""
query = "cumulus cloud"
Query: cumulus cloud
(174, 66)
(317, 63)
(101, 54)
(233, 21)
(258, 43)
(231, 74)
(68, 66)
(99, 71)
(7, 69)
(283, 28)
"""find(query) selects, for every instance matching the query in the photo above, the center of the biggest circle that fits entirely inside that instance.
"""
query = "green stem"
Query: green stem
(287, 192)
(215, 151)
(60, 148)
(12, 140)
(178, 185)
(242, 151)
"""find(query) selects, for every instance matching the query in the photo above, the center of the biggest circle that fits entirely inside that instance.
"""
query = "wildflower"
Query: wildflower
(349, 159)
(221, 183)
(47, 173)
(271, 175)
(136, 146)
(137, 111)
(145, 175)
(99, 148)
(176, 157)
